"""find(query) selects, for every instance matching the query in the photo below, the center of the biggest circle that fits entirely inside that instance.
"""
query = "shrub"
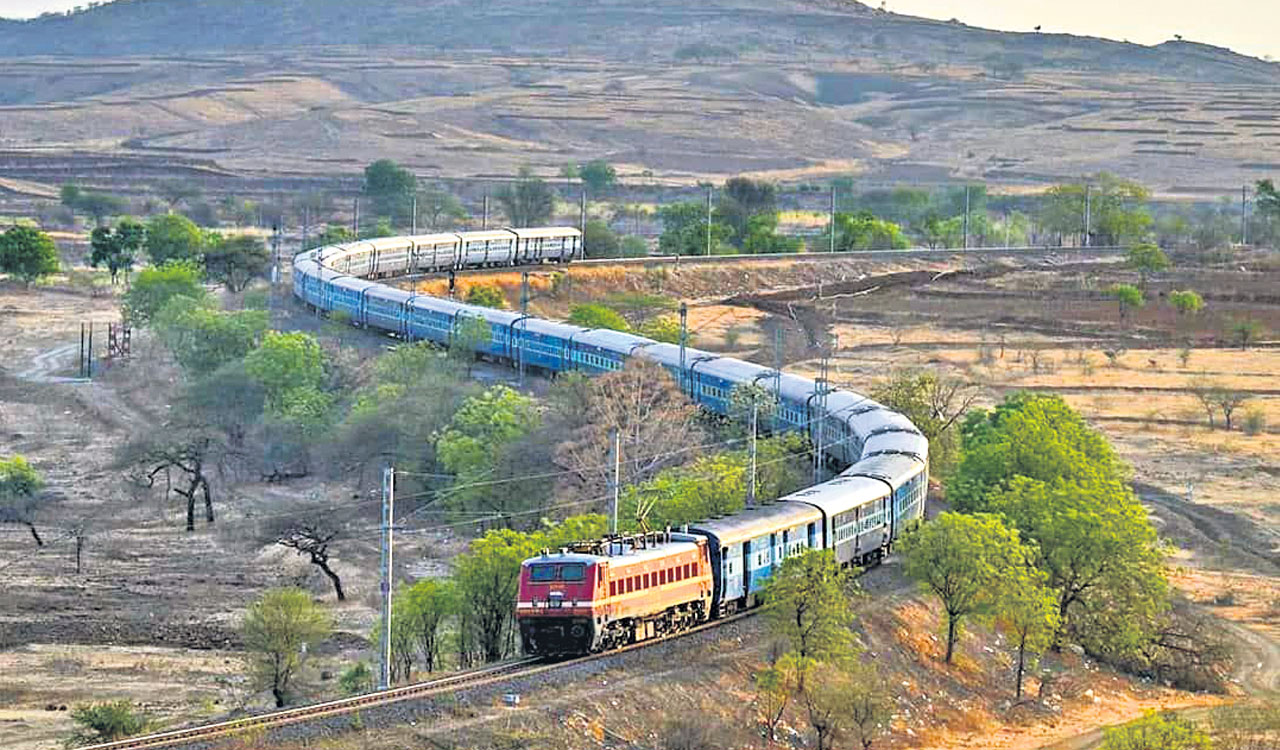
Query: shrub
(486, 295)
(597, 316)
(108, 722)
(1255, 421)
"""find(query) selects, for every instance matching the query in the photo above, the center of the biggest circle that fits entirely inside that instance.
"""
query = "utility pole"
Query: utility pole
(684, 342)
(305, 221)
(832, 220)
(751, 486)
(414, 220)
(777, 374)
(582, 212)
(485, 221)
(355, 223)
(1244, 215)
(821, 409)
(1088, 213)
(388, 517)
(615, 477)
(966, 217)
(524, 310)
(708, 220)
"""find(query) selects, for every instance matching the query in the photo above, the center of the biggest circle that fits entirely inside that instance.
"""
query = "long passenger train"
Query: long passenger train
(606, 593)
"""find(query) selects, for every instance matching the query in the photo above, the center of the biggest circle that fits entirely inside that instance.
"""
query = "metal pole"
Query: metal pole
(832, 223)
(1088, 214)
(355, 222)
(708, 221)
(966, 217)
(777, 373)
(306, 219)
(524, 310)
(684, 342)
(388, 514)
(484, 224)
(582, 212)
(89, 353)
(1244, 215)
(751, 485)
(615, 450)
(414, 221)
(82, 350)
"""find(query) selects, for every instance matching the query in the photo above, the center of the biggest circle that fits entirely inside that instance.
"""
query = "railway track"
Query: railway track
(488, 675)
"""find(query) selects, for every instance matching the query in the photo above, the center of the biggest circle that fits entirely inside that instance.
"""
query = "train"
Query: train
(601, 594)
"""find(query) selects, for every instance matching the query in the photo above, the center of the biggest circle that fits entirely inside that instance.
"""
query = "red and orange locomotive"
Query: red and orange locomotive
(599, 595)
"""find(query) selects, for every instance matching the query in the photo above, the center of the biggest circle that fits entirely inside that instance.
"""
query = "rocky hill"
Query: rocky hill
(794, 89)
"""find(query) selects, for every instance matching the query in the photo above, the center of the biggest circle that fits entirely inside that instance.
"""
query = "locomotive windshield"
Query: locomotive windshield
(546, 573)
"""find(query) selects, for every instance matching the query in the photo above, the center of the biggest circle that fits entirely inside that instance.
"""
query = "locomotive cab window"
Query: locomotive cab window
(575, 572)
(542, 573)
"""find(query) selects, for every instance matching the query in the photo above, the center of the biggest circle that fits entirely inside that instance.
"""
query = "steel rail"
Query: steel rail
(525, 667)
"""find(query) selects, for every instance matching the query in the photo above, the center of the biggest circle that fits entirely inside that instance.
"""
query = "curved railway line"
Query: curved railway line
(488, 675)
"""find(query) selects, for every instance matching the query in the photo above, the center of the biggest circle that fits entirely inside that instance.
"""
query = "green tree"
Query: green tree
(1117, 210)
(640, 307)
(600, 241)
(429, 603)
(1128, 297)
(935, 403)
(1246, 331)
(333, 234)
(1187, 302)
(1103, 559)
(116, 249)
(863, 231)
(774, 687)
(598, 176)
(356, 679)
(173, 237)
(285, 363)
(665, 329)
(1268, 199)
(439, 209)
(1027, 611)
(845, 699)
(380, 228)
(69, 195)
(99, 723)
(1147, 258)
(204, 339)
(235, 261)
(469, 334)
(486, 295)
(391, 188)
(487, 577)
(98, 205)
(594, 315)
(684, 230)
(1028, 435)
(20, 485)
(155, 287)
(528, 202)
(278, 630)
(809, 604)
(476, 438)
(762, 237)
(27, 254)
(743, 199)
(961, 559)
(1156, 731)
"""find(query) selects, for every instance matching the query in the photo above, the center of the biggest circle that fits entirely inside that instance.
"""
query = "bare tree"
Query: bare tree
(184, 451)
(313, 535)
(1228, 400)
(655, 423)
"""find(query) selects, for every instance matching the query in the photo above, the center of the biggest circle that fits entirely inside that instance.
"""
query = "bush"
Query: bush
(665, 329)
(155, 287)
(486, 295)
(356, 679)
(108, 722)
(1255, 421)
(597, 316)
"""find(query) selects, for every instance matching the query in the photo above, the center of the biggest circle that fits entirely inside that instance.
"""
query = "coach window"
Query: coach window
(613, 588)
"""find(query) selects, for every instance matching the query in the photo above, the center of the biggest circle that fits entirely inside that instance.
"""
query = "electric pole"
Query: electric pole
(615, 476)
(524, 310)
(777, 374)
(355, 222)
(832, 223)
(414, 220)
(821, 409)
(305, 221)
(708, 220)
(684, 342)
(484, 224)
(1088, 214)
(1244, 215)
(966, 217)
(751, 486)
(388, 516)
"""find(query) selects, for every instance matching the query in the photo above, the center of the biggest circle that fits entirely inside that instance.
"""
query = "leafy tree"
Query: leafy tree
(97, 205)
(227, 400)
(380, 228)
(684, 230)
(69, 195)
(961, 559)
(665, 329)
(845, 699)
(99, 723)
(391, 188)
(597, 175)
(1156, 731)
(935, 403)
(528, 202)
(116, 249)
(594, 315)
(235, 261)
(27, 254)
(203, 339)
(429, 603)
(744, 199)
(1267, 201)
(1028, 435)
(1027, 610)
(486, 295)
(175, 192)
(155, 287)
(488, 576)
(774, 687)
(1246, 331)
(278, 630)
(600, 241)
(762, 237)
(469, 334)
(634, 247)
(1104, 562)
(863, 231)
(1147, 258)
(20, 484)
(481, 429)
(285, 363)
(640, 307)
(1117, 210)
(1186, 303)
(1128, 297)
(173, 237)
(439, 209)
(808, 603)
(333, 234)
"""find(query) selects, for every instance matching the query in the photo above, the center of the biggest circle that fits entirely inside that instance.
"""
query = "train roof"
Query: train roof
(736, 370)
(390, 243)
(894, 468)
(624, 555)
(911, 443)
(487, 235)
(537, 232)
(669, 354)
(499, 317)
(755, 522)
(438, 304)
(795, 388)
(614, 341)
(391, 292)
(840, 494)
(439, 238)
(354, 283)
